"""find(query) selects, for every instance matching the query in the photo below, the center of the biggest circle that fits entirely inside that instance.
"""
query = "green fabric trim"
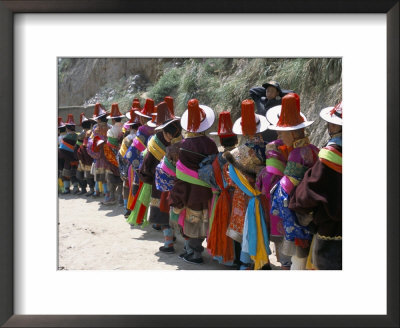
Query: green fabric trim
(275, 163)
(187, 178)
(169, 164)
(79, 143)
(159, 143)
(143, 198)
(113, 141)
(330, 156)
(295, 170)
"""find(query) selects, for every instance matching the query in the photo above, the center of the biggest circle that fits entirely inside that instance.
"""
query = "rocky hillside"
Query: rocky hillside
(221, 83)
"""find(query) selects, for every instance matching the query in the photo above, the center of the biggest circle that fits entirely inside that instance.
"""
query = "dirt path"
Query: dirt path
(97, 237)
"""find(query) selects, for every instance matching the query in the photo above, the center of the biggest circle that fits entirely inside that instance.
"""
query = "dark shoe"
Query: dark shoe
(89, 193)
(83, 191)
(164, 249)
(182, 255)
(66, 192)
(190, 259)
(156, 227)
(266, 267)
(96, 195)
(109, 201)
(75, 190)
(127, 213)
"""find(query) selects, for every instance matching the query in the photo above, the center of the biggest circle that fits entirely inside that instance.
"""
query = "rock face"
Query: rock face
(80, 78)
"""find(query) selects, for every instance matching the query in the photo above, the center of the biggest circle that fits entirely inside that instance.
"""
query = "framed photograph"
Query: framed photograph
(33, 292)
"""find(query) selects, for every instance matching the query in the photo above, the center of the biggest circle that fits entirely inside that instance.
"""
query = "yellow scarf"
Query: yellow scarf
(156, 148)
(261, 257)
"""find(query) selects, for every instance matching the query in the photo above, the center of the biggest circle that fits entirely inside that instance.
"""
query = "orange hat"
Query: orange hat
(249, 123)
(290, 117)
(164, 116)
(170, 102)
(135, 104)
(197, 118)
(152, 122)
(115, 113)
(70, 120)
(83, 118)
(61, 124)
(133, 118)
(99, 111)
(224, 125)
(147, 109)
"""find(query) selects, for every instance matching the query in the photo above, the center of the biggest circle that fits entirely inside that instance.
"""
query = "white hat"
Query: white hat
(274, 112)
(289, 118)
(333, 114)
(202, 117)
(248, 118)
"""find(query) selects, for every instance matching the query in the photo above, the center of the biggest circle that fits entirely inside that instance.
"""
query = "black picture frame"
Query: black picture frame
(7, 11)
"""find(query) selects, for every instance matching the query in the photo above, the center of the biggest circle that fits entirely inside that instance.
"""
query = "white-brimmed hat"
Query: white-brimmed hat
(165, 116)
(274, 112)
(290, 117)
(147, 109)
(249, 123)
(197, 118)
(333, 114)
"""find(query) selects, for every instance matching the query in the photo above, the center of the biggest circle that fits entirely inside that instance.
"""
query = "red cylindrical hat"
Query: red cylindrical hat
(290, 111)
(133, 117)
(195, 115)
(248, 123)
(82, 118)
(70, 120)
(148, 108)
(115, 113)
(98, 111)
(225, 124)
(136, 104)
(61, 124)
(170, 102)
(163, 113)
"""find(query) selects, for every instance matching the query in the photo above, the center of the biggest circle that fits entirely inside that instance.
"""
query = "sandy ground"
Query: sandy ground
(97, 237)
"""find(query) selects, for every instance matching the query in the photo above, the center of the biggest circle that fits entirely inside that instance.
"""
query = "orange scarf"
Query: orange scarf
(218, 242)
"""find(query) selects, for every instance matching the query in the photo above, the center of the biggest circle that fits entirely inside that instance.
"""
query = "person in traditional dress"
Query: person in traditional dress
(66, 153)
(83, 174)
(189, 192)
(219, 244)
(61, 133)
(149, 198)
(134, 153)
(245, 163)
(130, 128)
(111, 149)
(317, 199)
(95, 148)
(292, 124)
(168, 128)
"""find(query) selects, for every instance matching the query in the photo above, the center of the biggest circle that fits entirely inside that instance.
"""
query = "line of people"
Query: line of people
(239, 197)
